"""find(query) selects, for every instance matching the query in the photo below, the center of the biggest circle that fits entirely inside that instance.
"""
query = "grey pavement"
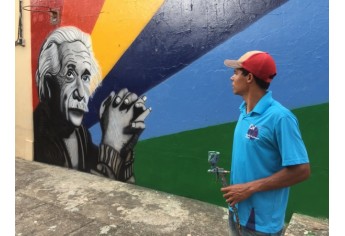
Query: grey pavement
(51, 200)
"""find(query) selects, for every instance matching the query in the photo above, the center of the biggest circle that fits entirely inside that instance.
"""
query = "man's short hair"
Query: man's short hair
(262, 84)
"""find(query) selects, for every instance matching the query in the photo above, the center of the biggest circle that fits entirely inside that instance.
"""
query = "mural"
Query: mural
(66, 76)
(163, 45)
(172, 51)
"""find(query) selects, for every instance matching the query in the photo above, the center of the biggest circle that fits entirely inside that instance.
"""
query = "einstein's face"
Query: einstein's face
(73, 81)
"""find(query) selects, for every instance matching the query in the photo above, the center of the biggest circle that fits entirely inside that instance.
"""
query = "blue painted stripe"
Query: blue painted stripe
(179, 33)
(200, 95)
(296, 34)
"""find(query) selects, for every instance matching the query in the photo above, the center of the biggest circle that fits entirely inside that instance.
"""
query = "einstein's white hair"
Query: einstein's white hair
(49, 58)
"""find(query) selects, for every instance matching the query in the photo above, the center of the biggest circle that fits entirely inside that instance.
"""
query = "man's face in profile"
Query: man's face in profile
(73, 81)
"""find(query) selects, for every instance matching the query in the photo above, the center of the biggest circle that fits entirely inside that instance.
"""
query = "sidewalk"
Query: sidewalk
(51, 200)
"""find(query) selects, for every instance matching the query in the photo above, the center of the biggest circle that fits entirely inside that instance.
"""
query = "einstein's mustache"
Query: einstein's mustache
(74, 104)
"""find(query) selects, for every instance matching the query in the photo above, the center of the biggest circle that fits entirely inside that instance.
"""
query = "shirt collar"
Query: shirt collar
(261, 106)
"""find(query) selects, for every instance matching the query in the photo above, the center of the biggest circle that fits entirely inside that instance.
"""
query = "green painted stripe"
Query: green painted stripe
(178, 163)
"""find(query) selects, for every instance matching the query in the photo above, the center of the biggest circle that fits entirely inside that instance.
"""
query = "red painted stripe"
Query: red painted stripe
(40, 28)
(82, 14)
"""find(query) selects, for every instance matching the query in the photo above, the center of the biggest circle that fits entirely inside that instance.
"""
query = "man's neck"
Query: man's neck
(252, 98)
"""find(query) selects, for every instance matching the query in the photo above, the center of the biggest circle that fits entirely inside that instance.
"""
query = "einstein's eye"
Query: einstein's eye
(70, 75)
(86, 78)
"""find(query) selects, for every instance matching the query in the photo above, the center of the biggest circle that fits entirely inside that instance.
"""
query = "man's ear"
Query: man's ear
(250, 78)
(47, 87)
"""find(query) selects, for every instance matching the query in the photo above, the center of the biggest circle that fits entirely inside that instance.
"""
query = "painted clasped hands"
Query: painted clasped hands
(122, 119)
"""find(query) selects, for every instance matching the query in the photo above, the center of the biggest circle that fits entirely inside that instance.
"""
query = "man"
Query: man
(66, 76)
(268, 151)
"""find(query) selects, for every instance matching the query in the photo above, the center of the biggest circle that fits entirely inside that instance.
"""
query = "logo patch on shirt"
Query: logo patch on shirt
(252, 132)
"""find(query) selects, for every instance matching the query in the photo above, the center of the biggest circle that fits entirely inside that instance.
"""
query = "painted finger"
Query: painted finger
(143, 115)
(138, 125)
(123, 92)
(106, 102)
(130, 98)
(142, 99)
(140, 106)
(118, 99)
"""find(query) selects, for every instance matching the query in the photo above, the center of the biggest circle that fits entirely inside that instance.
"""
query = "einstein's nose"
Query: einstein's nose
(78, 94)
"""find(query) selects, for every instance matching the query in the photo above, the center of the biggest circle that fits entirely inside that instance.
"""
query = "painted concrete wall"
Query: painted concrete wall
(161, 56)
(173, 52)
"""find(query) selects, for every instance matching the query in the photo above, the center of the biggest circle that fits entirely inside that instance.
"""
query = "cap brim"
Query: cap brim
(232, 63)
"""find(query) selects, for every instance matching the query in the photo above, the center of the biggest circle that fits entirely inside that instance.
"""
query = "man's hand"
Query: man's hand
(122, 119)
(286, 177)
(236, 193)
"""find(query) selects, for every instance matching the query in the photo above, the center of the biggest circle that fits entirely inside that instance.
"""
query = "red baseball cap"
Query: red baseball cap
(259, 63)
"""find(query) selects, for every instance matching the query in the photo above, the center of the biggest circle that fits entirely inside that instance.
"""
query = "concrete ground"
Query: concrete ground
(52, 200)
(307, 226)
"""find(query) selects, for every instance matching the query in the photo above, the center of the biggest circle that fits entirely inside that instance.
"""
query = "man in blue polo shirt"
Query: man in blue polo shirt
(268, 151)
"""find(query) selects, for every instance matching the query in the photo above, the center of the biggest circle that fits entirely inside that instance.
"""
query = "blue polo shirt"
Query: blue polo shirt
(265, 141)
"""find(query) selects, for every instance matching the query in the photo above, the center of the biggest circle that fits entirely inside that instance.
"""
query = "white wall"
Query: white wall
(23, 88)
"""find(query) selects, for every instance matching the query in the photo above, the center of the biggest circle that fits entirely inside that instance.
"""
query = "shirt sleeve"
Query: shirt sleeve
(112, 165)
(290, 142)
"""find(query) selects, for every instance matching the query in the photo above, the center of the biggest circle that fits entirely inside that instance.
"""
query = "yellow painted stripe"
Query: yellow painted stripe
(118, 24)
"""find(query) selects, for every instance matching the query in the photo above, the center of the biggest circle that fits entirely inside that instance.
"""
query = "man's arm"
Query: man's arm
(286, 177)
